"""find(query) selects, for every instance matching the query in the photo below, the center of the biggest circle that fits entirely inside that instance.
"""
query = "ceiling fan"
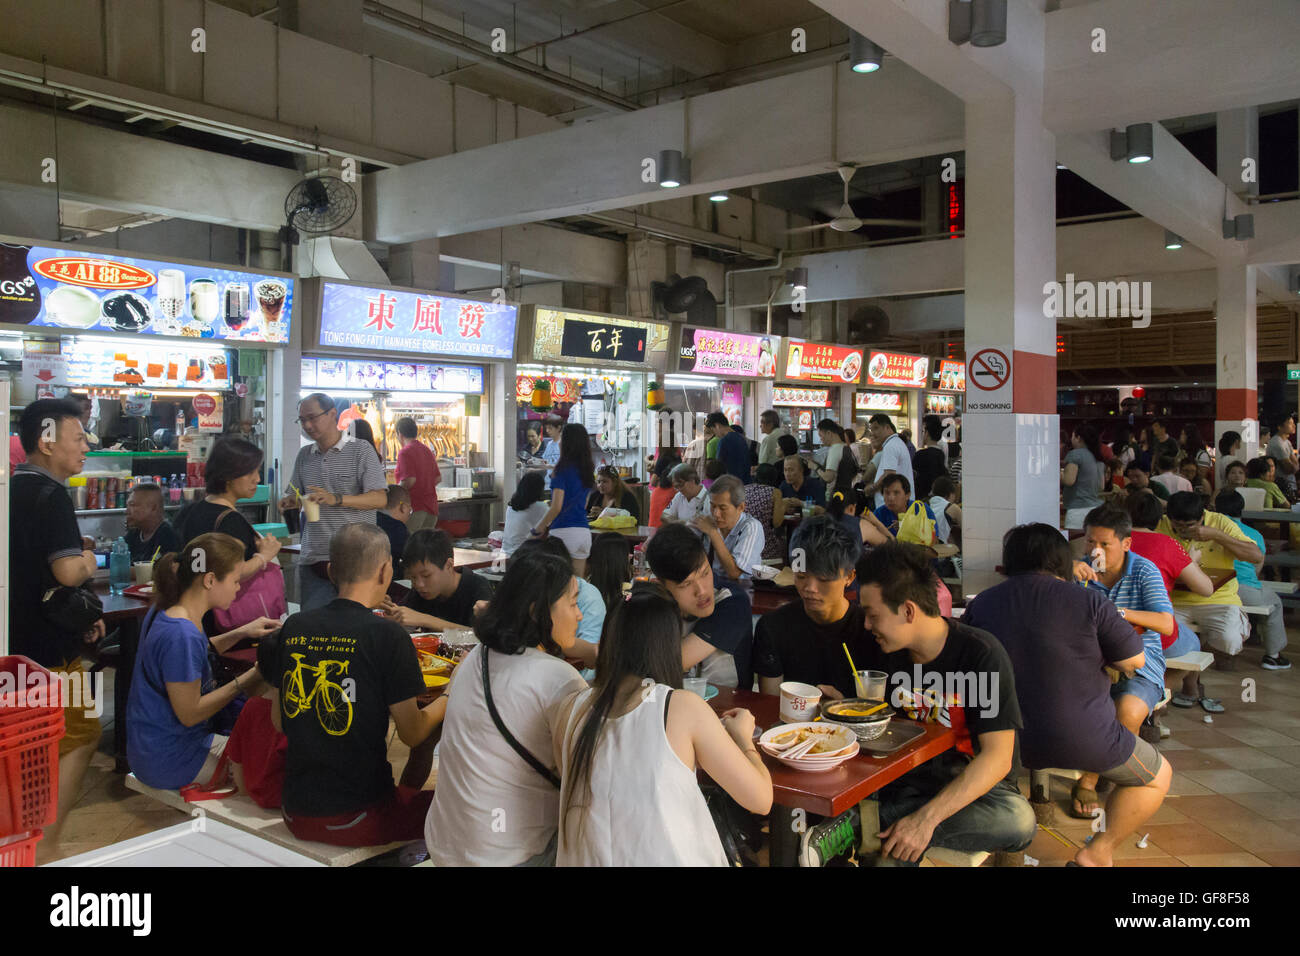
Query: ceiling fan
(846, 221)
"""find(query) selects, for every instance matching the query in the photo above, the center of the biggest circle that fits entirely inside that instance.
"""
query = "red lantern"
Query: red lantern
(1139, 392)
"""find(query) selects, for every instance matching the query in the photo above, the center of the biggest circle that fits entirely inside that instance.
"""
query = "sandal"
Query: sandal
(1080, 796)
(1212, 706)
(1184, 700)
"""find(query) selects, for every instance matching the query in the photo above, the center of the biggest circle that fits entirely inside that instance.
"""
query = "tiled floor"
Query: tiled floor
(1235, 799)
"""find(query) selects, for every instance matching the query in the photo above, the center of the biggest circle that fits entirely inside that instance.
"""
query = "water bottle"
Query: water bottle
(119, 567)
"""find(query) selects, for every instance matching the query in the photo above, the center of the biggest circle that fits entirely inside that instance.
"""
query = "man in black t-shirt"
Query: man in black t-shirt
(441, 597)
(148, 535)
(46, 550)
(717, 623)
(804, 641)
(341, 673)
(929, 462)
(941, 671)
(393, 520)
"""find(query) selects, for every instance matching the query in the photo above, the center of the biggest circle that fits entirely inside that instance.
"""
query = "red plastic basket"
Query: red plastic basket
(29, 759)
(19, 669)
(19, 850)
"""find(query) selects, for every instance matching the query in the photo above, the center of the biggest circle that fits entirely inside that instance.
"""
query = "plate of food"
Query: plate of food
(810, 745)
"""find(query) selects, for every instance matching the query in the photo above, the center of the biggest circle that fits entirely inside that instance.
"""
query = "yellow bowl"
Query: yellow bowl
(435, 680)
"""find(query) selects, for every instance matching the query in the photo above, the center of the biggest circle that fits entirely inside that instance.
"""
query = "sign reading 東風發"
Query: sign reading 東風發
(396, 320)
(91, 292)
(593, 339)
(729, 354)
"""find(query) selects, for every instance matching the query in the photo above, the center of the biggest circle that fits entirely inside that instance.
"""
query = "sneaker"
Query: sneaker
(1278, 663)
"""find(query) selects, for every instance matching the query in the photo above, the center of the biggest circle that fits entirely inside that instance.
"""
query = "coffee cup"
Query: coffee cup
(310, 509)
(799, 701)
(143, 571)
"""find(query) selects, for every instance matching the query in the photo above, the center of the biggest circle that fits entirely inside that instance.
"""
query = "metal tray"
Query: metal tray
(899, 735)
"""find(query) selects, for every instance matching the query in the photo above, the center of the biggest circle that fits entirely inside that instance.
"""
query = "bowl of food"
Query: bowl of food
(808, 745)
(866, 718)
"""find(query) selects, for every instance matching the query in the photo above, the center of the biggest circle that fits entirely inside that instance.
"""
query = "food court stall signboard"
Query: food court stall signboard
(589, 338)
(801, 397)
(814, 362)
(396, 320)
(728, 354)
(950, 376)
(152, 365)
(332, 373)
(82, 291)
(892, 369)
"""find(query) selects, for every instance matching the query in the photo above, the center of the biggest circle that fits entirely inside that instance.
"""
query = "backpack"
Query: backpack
(915, 526)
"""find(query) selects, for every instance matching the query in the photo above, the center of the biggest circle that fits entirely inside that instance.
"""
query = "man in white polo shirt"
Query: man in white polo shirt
(692, 498)
(894, 456)
(342, 475)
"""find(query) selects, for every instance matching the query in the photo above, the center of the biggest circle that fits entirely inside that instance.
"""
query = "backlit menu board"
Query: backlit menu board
(951, 376)
(729, 354)
(900, 371)
(878, 402)
(155, 365)
(73, 289)
(813, 362)
(394, 320)
(391, 376)
(801, 397)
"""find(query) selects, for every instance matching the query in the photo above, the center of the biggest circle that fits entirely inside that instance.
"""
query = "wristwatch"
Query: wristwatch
(340, 500)
(1122, 613)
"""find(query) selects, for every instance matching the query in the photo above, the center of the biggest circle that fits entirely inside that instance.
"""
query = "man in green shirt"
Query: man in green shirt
(1138, 479)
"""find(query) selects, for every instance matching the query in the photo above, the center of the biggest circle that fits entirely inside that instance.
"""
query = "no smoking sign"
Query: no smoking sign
(988, 379)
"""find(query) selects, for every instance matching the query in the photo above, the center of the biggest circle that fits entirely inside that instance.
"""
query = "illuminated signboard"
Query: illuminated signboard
(394, 320)
(596, 339)
(823, 363)
(900, 371)
(951, 376)
(716, 352)
(954, 214)
(878, 402)
(802, 397)
(92, 292)
(392, 376)
(151, 365)
(942, 404)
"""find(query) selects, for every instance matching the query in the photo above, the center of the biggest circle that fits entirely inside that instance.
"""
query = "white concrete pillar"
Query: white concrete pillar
(1237, 403)
(1237, 140)
(1010, 455)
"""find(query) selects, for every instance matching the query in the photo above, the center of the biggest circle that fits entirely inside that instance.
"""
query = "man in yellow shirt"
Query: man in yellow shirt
(1214, 542)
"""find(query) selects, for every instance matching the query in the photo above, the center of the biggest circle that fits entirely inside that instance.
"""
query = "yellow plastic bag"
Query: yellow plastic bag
(915, 526)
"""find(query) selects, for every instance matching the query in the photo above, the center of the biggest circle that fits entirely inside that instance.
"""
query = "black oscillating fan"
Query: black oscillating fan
(316, 206)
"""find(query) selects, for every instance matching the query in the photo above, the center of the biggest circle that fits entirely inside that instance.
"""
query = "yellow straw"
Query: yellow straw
(856, 682)
(157, 552)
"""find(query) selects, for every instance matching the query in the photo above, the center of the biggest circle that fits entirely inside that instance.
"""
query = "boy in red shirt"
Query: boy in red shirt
(417, 471)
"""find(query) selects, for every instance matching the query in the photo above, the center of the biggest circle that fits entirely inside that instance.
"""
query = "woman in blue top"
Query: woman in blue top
(572, 480)
(169, 741)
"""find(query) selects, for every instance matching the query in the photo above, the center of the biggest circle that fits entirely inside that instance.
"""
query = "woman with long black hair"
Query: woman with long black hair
(1081, 476)
(631, 745)
(572, 480)
(498, 794)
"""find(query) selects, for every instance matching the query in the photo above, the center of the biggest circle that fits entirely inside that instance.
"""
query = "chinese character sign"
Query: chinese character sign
(902, 371)
(395, 320)
(814, 362)
(602, 340)
(71, 289)
(728, 353)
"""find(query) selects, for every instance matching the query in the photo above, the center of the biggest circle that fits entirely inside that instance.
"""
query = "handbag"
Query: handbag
(515, 745)
(262, 595)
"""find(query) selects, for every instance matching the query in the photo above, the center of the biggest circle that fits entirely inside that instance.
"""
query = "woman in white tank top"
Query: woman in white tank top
(630, 746)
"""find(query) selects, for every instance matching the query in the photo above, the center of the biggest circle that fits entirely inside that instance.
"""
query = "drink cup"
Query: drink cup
(874, 684)
(204, 301)
(310, 510)
(799, 701)
(143, 571)
(696, 685)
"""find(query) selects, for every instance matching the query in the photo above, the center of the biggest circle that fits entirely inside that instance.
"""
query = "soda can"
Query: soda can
(110, 490)
(121, 499)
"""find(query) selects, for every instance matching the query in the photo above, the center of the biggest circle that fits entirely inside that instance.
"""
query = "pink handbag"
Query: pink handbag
(262, 595)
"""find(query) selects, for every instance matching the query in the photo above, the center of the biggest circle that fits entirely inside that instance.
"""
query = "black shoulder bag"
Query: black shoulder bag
(515, 745)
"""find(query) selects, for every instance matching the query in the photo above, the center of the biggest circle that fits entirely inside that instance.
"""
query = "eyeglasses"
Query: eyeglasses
(309, 418)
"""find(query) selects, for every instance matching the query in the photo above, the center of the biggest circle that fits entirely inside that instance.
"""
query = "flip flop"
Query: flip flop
(1212, 706)
(1183, 700)
(1081, 796)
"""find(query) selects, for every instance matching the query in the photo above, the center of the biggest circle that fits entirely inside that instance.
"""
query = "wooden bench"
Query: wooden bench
(1280, 587)
(242, 813)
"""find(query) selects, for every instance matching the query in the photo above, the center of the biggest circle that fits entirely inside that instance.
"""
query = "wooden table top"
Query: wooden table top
(833, 792)
(118, 607)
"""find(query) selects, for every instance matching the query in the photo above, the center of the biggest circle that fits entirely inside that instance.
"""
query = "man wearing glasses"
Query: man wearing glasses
(340, 475)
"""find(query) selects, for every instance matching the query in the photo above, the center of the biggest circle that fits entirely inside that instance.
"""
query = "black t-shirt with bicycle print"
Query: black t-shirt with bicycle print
(339, 668)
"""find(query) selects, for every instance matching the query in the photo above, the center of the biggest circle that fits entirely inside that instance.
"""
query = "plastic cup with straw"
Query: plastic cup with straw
(857, 681)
